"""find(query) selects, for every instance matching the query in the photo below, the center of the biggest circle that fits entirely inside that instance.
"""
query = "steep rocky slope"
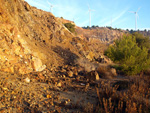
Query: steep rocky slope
(32, 39)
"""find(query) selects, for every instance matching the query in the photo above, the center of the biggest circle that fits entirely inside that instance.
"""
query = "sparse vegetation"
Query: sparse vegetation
(134, 99)
(70, 27)
(131, 52)
(96, 26)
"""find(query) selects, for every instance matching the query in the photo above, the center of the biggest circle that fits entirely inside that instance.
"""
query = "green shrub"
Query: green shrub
(70, 27)
(142, 40)
(132, 58)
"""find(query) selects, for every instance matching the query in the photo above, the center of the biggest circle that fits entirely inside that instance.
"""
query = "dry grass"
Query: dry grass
(105, 71)
(136, 99)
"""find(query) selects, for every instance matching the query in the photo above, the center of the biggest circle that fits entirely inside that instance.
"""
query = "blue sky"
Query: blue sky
(105, 11)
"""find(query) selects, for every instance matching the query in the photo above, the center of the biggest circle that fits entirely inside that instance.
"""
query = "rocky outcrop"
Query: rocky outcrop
(15, 54)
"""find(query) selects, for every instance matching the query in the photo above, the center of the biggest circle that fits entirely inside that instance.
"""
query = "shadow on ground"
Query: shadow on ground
(68, 56)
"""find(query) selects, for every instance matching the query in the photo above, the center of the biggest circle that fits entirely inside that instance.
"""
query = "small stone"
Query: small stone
(66, 102)
(82, 84)
(20, 56)
(90, 56)
(5, 88)
(63, 70)
(48, 96)
(97, 76)
(12, 69)
(66, 66)
(76, 73)
(27, 80)
(70, 74)
(59, 84)
(40, 75)
(44, 72)
(18, 36)
(52, 103)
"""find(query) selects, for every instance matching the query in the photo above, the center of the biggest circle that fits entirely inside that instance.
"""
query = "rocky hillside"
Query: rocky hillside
(104, 34)
(32, 39)
(44, 68)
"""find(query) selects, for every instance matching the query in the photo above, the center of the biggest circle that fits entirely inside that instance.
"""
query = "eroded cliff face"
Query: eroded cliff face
(32, 39)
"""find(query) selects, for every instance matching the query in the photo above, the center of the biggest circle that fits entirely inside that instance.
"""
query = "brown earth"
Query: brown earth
(54, 91)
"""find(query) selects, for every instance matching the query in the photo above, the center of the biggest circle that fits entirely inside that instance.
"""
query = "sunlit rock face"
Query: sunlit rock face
(32, 39)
